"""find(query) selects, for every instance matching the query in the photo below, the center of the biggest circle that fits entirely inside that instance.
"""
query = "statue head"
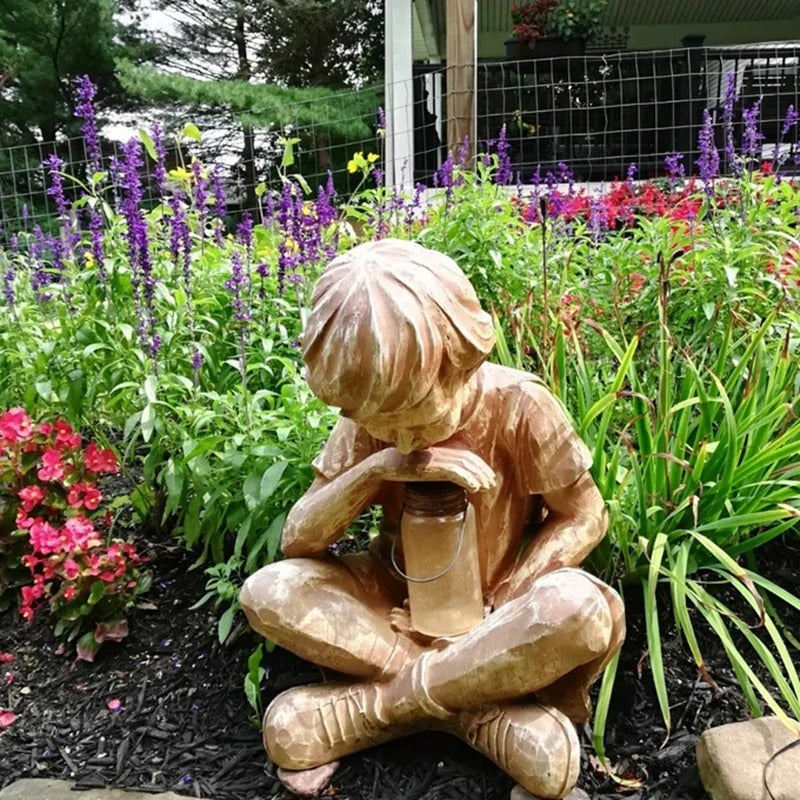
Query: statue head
(394, 334)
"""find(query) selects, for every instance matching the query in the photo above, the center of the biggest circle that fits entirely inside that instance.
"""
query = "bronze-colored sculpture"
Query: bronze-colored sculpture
(397, 339)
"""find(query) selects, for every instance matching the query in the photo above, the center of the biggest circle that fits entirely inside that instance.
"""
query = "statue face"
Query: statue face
(434, 419)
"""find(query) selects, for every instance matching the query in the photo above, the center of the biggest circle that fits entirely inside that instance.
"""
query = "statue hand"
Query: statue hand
(456, 465)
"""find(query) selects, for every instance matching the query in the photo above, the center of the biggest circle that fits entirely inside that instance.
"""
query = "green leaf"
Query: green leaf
(150, 386)
(225, 623)
(148, 422)
(191, 131)
(251, 490)
(96, 592)
(44, 389)
(270, 480)
(148, 143)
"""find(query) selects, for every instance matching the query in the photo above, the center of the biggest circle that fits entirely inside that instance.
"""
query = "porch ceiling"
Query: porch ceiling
(495, 15)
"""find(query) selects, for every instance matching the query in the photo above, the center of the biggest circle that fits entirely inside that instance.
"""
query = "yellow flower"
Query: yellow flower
(180, 174)
(88, 258)
(352, 166)
(372, 158)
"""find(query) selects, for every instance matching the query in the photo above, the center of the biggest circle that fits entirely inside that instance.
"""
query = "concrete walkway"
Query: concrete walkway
(44, 789)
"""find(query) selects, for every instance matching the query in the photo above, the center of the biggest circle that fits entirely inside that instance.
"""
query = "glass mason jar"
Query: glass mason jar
(440, 548)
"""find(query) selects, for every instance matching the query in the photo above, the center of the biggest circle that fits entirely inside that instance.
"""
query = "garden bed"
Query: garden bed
(183, 722)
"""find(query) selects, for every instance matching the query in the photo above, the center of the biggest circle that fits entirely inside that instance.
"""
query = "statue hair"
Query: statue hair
(388, 319)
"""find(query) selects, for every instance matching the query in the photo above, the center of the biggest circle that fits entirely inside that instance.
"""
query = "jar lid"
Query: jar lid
(435, 498)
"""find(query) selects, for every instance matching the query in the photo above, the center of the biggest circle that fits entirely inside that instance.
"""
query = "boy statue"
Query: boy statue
(396, 339)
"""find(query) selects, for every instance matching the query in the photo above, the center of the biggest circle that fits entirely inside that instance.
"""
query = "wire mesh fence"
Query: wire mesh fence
(596, 113)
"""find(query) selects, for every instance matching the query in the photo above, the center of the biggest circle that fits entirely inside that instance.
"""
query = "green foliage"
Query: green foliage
(43, 46)
(347, 113)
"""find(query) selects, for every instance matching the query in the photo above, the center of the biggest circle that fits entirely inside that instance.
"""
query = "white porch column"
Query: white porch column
(399, 97)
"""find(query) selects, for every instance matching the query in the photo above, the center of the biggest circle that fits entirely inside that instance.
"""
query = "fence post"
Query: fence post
(399, 98)
(462, 64)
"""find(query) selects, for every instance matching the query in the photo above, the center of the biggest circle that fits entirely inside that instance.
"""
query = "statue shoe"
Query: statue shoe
(536, 745)
(309, 726)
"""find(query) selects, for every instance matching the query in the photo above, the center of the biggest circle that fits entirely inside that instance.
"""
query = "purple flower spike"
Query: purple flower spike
(160, 171)
(238, 285)
(503, 176)
(8, 283)
(142, 276)
(708, 162)
(381, 120)
(55, 166)
(84, 110)
(200, 195)
(752, 136)
(673, 164)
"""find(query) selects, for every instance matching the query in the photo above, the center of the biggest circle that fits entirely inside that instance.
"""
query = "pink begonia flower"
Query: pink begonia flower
(52, 469)
(24, 521)
(7, 658)
(65, 436)
(85, 495)
(7, 718)
(15, 425)
(80, 533)
(45, 538)
(69, 593)
(31, 496)
(71, 569)
(114, 704)
(8, 678)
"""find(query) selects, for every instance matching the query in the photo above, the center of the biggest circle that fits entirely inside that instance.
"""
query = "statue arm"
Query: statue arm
(323, 513)
(575, 524)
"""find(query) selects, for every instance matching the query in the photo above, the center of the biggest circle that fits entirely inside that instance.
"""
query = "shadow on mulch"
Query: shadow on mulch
(184, 722)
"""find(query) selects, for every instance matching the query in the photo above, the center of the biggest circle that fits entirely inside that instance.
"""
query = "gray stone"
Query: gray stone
(45, 789)
(731, 760)
(518, 793)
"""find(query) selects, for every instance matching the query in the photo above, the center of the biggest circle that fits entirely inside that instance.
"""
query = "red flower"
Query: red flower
(23, 520)
(66, 438)
(15, 425)
(52, 469)
(69, 593)
(84, 495)
(97, 460)
(71, 569)
(31, 496)
(45, 538)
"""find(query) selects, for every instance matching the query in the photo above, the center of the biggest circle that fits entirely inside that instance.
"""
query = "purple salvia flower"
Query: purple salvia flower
(84, 110)
(789, 121)
(8, 283)
(139, 248)
(751, 136)
(55, 165)
(708, 162)
(286, 214)
(731, 161)
(597, 217)
(160, 171)
(96, 233)
(463, 152)
(200, 195)
(565, 176)
(238, 285)
(381, 121)
(630, 175)
(503, 176)
(377, 176)
(197, 363)
(413, 207)
(26, 214)
(673, 165)
(180, 244)
(13, 243)
(220, 207)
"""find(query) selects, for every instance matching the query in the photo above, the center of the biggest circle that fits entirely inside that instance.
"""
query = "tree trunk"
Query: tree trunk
(248, 151)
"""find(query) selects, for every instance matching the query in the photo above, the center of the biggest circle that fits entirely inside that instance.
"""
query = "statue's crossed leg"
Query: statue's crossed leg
(552, 641)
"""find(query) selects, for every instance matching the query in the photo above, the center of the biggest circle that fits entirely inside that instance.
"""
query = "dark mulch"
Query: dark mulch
(184, 723)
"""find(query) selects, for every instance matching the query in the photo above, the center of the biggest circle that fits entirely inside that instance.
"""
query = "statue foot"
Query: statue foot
(308, 782)
(518, 793)
(311, 726)
(536, 745)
